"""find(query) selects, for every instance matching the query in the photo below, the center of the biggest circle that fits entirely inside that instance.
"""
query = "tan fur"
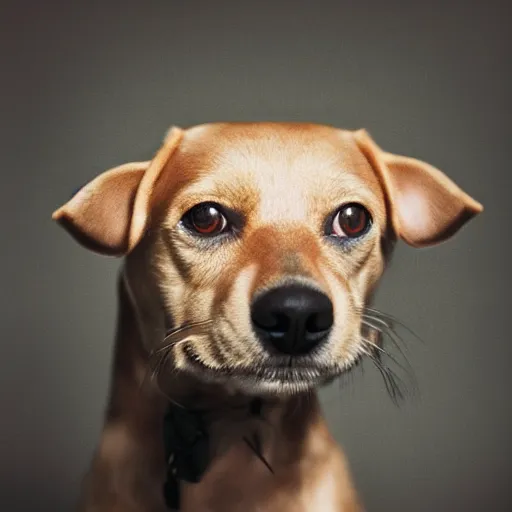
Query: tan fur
(284, 180)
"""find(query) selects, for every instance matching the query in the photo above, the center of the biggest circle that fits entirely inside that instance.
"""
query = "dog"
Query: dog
(251, 255)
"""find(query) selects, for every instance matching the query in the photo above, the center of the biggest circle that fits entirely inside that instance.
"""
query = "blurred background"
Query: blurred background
(89, 85)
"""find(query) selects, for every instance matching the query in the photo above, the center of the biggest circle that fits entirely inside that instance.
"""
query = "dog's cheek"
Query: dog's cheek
(198, 304)
(172, 287)
(208, 267)
(344, 303)
(365, 282)
(362, 287)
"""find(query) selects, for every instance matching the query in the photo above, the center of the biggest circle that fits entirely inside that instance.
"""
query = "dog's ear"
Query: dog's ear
(426, 207)
(109, 214)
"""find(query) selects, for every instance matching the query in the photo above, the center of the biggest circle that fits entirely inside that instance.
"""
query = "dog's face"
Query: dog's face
(275, 233)
(277, 238)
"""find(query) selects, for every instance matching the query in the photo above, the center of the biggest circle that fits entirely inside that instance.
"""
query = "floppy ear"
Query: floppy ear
(109, 215)
(426, 207)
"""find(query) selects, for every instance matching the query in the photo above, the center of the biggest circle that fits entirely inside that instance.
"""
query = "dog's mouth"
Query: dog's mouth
(292, 375)
(275, 374)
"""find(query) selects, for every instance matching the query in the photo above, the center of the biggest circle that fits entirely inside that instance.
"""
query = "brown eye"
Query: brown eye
(205, 219)
(351, 221)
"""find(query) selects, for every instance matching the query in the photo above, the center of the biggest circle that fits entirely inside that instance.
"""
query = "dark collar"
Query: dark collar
(187, 450)
(187, 447)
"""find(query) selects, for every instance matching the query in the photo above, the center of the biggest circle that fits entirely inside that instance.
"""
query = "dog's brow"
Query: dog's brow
(274, 199)
(338, 194)
(238, 197)
(280, 180)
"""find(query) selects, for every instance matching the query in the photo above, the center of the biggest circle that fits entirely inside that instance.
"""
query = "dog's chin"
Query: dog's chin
(255, 385)
(276, 387)
(264, 381)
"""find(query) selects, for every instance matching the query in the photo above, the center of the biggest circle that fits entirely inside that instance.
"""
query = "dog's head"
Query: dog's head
(275, 233)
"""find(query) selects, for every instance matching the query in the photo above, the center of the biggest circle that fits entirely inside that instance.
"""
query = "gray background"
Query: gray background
(94, 84)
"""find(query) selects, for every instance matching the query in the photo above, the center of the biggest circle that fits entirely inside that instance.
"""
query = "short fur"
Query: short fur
(283, 181)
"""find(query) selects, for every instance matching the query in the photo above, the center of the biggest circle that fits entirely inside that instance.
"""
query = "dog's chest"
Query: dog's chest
(241, 482)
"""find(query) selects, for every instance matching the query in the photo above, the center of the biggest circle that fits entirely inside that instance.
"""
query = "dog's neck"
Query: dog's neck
(227, 418)
(220, 437)
(214, 437)
(254, 443)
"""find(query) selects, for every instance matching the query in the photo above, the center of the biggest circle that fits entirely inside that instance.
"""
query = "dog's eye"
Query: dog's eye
(351, 221)
(205, 219)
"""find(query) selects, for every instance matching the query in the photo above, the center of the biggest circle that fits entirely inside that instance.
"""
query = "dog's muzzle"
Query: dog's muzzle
(292, 319)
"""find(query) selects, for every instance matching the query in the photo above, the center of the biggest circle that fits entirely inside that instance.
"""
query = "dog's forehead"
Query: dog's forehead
(259, 162)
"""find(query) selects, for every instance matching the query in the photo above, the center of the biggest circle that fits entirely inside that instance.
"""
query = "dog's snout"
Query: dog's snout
(294, 319)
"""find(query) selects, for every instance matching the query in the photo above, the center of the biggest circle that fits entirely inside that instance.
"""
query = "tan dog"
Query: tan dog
(269, 238)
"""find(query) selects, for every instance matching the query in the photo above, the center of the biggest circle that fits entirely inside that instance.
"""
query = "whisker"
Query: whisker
(397, 341)
(384, 326)
(391, 381)
(175, 336)
(161, 353)
(406, 368)
(391, 320)
(396, 387)
(163, 356)
(374, 345)
(388, 354)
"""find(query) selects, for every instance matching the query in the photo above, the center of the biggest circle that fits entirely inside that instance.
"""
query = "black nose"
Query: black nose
(294, 319)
